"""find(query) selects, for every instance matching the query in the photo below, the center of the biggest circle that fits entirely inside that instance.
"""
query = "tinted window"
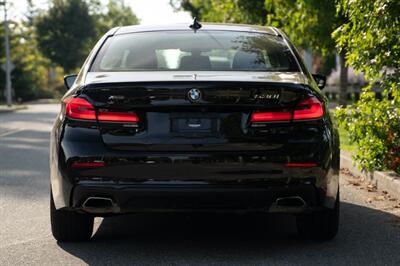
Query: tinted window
(201, 51)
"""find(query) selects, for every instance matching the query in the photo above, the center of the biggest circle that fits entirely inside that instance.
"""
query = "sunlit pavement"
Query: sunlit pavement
(369, 233)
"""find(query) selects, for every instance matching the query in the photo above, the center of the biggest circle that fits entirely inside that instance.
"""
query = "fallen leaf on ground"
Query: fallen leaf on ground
(354, 182)
(380, 198)
(371, 188)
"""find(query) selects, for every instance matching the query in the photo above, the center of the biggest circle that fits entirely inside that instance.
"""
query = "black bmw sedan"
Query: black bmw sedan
(207, 118)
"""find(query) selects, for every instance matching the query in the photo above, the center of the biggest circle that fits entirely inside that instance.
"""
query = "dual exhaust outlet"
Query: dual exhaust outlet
(294, 204)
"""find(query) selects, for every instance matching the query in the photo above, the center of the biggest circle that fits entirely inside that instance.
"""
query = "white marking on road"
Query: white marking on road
(10, 132)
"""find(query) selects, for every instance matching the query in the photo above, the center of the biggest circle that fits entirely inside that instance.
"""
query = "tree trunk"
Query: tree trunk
(343, 79)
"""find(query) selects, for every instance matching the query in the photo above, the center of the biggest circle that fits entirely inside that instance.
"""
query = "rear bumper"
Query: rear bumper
(205, 181)
(156, 197)
(249, 183)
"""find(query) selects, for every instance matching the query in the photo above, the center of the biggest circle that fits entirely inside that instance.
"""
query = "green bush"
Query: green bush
(373, 125)
(371, 39)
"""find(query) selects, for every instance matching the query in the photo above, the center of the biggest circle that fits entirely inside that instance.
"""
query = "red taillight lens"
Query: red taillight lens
(270, 116)
(310, 108)
(79, 108)
(117, 117)
(87, 164)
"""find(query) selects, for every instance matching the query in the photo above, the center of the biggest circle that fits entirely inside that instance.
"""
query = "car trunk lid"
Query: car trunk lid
(170, 120)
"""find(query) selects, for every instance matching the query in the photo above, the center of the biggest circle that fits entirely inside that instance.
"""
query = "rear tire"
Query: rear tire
(69, 225)
(322, 225)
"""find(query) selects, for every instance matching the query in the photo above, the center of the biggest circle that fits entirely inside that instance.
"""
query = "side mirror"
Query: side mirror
(320, 80)
(69, 80)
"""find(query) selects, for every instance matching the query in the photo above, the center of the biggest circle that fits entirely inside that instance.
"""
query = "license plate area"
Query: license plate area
(194, 123)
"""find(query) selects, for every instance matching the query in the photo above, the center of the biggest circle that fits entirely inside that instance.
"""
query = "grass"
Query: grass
(344, 136)
(345, 142)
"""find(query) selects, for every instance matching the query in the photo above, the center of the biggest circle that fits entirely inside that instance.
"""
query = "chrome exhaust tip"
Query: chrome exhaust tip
(291, 201)
(99, 205)
(294, 204)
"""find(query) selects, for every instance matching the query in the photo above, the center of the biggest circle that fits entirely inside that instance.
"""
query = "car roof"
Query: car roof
(205, 26)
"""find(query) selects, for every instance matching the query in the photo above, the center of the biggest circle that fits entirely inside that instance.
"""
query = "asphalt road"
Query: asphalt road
(369, 230)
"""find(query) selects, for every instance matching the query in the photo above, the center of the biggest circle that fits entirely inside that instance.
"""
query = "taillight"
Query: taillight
(79, 108)
(310, 108)
(87, 164)
(271, 116)
(117, 117)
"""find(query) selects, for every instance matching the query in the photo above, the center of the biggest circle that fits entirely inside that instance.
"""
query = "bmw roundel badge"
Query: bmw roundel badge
(194, 95)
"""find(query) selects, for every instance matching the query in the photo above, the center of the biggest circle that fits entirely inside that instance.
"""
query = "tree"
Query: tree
(371, 39)
(231, 11)
(29, 76)
(116, 15)
(66, 33)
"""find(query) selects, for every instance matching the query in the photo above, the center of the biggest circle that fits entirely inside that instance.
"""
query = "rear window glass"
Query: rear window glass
(200, 51)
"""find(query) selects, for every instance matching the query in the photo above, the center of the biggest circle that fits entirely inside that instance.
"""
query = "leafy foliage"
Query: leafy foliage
(309, 23)
(30, 75)
(371, 37)
(232, 11)
(66, 33)
(47, 43)
(115, 14)
(373, 126)
(68, 30)
(29, 78)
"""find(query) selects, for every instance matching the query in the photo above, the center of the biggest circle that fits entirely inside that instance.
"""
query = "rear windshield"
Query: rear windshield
(200, 51)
